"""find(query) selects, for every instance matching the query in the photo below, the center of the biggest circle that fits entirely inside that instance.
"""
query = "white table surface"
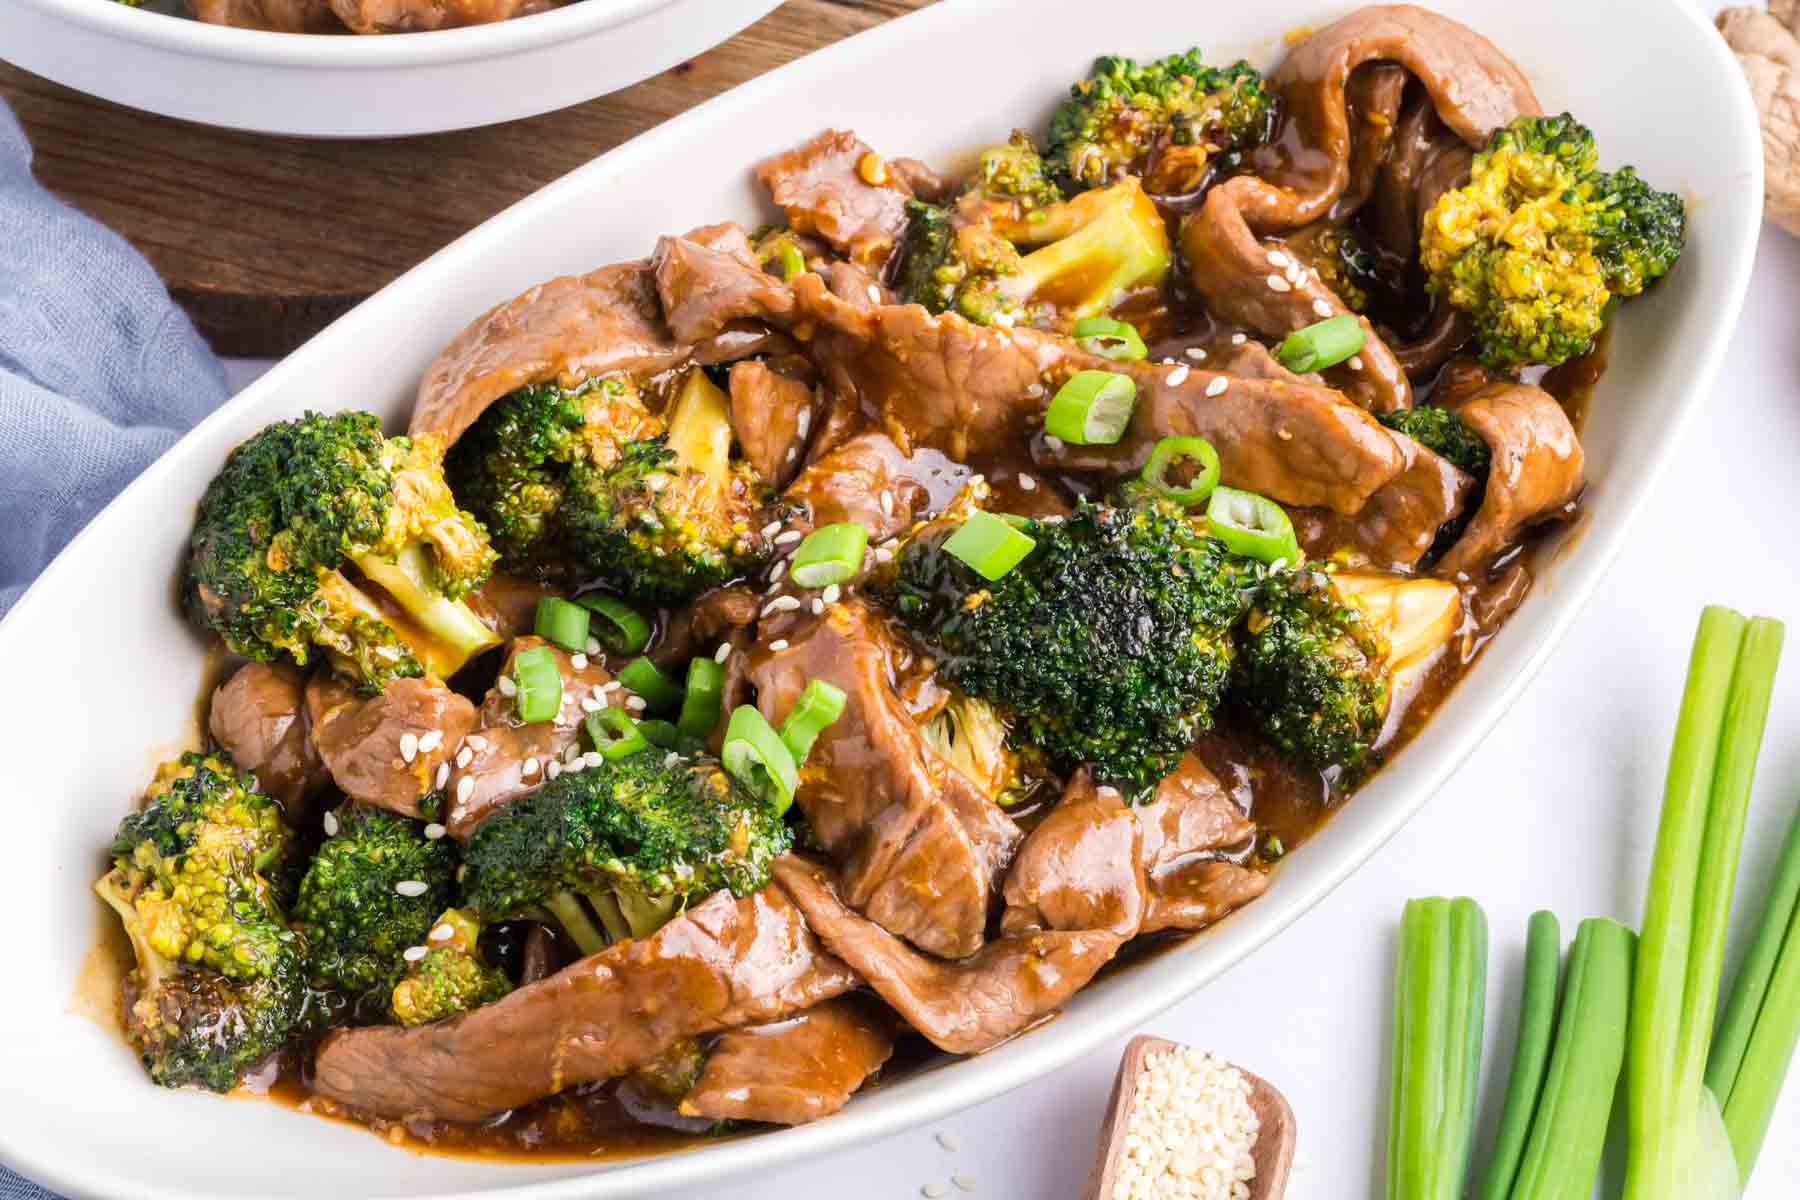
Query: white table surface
(1556, 810)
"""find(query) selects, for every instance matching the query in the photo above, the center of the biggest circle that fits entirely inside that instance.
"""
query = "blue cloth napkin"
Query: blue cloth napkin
(100, 372)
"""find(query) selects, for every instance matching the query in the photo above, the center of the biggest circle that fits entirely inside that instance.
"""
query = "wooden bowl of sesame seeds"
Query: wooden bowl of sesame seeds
(1182, 1123)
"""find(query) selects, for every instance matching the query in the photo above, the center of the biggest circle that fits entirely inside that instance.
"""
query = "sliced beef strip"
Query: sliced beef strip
(723, 963)
(1536, 469)
(709, 280)
(962, 1007)
(1400, 522)
(772, 414)
(1081, 868)
(848, 484)
(507, 758)
(275, 16)
(361, 739)
(820, 186)
(413, 16)
(509, 603)
(258, 717)
(922, 181)
(1188, 822)
(922, 850)
(569, 329)
(1202, 895)
(1372, 98)
(709, 618)
(793, 1071)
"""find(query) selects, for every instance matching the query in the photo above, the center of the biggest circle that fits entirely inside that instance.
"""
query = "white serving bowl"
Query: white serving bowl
(102, 673)
(340, 86)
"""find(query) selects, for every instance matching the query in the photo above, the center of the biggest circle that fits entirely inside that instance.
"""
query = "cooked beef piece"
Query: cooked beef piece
(706, 620)
(824, 188)
(508, 759)
(509, 603)
(1267, 288)
(1202, 895)
(793, 1071)
(363, 740)
(276, 16)
(963, 1007)
(411, 16)
(538, 959)
(1400, 522)
(1536, 470)
(709, 280)
(1425, 161)
(848, 485)
(1372, 98)
(258, 716)
(1293, 442)
(922, 181)
(1447, 332)
(922, 849)
(569, 329)
(1081, 868)
(772, 414)
(1187, 823)
(723, 963)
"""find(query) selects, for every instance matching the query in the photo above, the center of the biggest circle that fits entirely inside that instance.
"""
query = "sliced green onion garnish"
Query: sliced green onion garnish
(1253, 526)
(651, 685)
(1322, 344)
(540, 694)
(755, 756)
(785, 255)
(830, 554)
(660, 733)
(563, 623)
(819, 705)
(1171, 450)
(1092, 409)
(1118, 340)
(700, 706)
(615, 734)
(624, 629)
(989, 544)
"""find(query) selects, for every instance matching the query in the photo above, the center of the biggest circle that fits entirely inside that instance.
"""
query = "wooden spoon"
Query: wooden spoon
(1273, 1152)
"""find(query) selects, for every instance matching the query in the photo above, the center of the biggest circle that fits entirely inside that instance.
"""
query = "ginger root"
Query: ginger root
(1767, 44)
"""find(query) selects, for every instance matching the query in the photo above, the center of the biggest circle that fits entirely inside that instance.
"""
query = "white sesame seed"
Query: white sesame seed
(465, 787)
(1178, 376)
(1238, 339)
(592, 758)
(964, 1183)
(1027, 483)
(442, 777)
(414, 953)
(476, 742)
(887, 504)
(722, 653)
(831, 593)
(409, 746)
(572, 756)
(601, 689)
(574, 768)
(788, 537)
(1053, 443)
(883, 554)
(464, 757)
(507, 686)
(1278, 259)
(442, 933)
(818, 608)
(578, 661)
(635, 703)
(778, 570)
(1278, 284)
(431, 741)
(529, 767)
(1321, 308)
(1217, 386)
(593, 647)
(671, 759)
(874, 294)
(782, 604)
(934, 1191)
(412, 889)
(948, 1141)
(553, 770)
(1355, 363)
(331, 824)
(434, 831)
(771, 529)
(591, 705)
(1195, 353)
(778, 645)
(803, 422)
(1035, 390)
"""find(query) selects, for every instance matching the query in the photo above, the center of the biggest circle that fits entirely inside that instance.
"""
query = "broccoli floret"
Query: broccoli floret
(587, 482)
(974, 737)
(1539, 244)
(353, 912)
(219, 983)
(1015, 171)
(1346, 266)
(452, 977)
(636, 838)
(1075, 258)
(1173, 121)
(1443, 431)
(303, 503)
(1109, 645)
(1319, 655)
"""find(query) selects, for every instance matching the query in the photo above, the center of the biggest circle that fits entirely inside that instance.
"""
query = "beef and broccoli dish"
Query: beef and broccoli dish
(844, 638)
(348, 16)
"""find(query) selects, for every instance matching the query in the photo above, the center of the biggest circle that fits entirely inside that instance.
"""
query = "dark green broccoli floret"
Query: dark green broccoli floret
(451, 977)
(1014, 170)
(637, 838)
(219, 984)
(1540, 244)
(368, 896)
(302, 504)
(587, 482)
(1174, 121)
(1109, 645)
(1443, 431)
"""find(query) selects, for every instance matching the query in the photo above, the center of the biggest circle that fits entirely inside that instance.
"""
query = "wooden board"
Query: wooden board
(265, 240)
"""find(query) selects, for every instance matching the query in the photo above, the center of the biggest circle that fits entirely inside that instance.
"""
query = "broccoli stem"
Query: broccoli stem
(700, 427)
(576, 923)
(645, 914)
(617, 927)
(455, 633)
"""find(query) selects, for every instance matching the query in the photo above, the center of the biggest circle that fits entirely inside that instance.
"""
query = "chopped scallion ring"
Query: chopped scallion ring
(651, 685)
(561, 622)
(989, 544)
(1118, 340)
(830, 554)
(700, 706)
(1253, 526)
(540, 693)
(819, 705)
(1092, 409)
(1322, 344)
(786, 256)
(1171, 450)
(624, 629)
(756, 757)
(614, 734)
